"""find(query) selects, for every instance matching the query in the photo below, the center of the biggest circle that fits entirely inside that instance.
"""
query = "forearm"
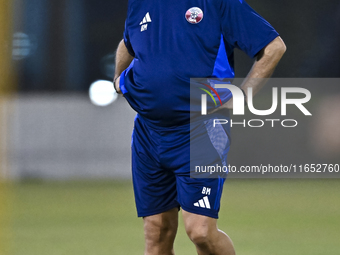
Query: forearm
(123, 60)
(264, 66)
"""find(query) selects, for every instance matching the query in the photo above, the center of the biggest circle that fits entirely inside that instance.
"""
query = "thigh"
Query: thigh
(198, 223)
(162, 222)
(154, 187)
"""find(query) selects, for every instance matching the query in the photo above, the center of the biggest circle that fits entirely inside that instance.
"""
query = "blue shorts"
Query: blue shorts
(161, 169)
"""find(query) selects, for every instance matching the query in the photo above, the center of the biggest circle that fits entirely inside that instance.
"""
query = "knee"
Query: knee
(199, 234)
(157, 230)
(208, 239)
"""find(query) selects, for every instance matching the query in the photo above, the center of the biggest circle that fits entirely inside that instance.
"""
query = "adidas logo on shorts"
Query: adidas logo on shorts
(203, 203)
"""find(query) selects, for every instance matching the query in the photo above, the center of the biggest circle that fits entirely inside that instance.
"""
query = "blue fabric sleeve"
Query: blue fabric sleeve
(127, 41)
(245, 29)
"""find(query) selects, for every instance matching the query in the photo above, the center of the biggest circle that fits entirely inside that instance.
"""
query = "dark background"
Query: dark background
(72, 42)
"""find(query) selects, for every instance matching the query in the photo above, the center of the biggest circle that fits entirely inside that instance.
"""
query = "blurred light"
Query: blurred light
(22, 46)
(102, 93)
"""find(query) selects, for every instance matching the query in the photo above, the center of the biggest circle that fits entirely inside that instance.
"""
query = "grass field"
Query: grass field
(263, 217)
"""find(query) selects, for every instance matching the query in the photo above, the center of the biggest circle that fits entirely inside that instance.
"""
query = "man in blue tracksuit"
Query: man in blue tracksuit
(165, 44)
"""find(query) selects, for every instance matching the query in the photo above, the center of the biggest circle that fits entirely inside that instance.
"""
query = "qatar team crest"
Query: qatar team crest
(194, 15)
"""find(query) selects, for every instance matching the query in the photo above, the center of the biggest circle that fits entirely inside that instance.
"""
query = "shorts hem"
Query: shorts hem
(211, 215)
(158, 211)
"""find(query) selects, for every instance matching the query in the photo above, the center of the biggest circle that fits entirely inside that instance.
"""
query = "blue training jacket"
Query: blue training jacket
(173, 41)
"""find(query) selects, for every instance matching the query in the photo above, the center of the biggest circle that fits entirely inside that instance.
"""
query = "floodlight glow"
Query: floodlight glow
(102, 93)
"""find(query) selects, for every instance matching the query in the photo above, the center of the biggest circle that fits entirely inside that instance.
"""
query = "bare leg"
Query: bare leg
(208, 239)
(160, 231)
